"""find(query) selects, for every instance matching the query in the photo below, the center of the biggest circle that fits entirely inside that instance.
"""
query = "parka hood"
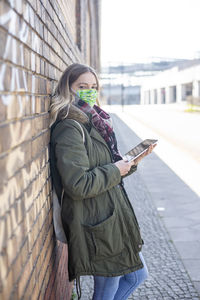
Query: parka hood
(74, 113)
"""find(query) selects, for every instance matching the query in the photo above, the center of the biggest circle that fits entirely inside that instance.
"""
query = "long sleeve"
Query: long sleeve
(79, 181)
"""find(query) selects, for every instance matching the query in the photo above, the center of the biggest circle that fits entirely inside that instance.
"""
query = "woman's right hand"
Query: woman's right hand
(123, 166)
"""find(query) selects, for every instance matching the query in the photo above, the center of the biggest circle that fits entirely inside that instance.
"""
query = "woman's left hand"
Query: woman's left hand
(147, 152)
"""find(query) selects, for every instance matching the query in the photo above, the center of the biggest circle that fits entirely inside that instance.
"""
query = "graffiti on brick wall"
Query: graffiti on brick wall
(14, 52)
(13, 82)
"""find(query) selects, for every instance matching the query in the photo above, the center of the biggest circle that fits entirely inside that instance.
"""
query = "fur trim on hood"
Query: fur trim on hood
(74, 113)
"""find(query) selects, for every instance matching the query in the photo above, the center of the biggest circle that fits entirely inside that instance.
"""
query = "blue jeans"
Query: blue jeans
(120, 287)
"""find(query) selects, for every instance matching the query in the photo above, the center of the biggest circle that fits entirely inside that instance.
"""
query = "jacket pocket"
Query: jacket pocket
(104, 239)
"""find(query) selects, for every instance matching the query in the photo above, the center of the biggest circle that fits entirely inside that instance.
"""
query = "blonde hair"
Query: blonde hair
(62, 97)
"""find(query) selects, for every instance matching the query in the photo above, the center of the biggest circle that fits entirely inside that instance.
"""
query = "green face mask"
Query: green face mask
(89, 96)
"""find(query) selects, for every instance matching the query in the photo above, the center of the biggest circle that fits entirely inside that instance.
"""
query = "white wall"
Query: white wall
(168, 79)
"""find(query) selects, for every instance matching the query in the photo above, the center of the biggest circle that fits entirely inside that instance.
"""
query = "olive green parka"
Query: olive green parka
(99, 222)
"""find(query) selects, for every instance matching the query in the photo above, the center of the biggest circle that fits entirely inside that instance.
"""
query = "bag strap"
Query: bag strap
(83, 134)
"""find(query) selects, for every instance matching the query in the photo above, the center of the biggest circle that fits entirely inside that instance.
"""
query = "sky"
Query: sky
(142, 30)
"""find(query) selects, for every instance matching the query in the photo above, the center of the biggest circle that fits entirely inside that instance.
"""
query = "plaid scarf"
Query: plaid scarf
(102, 122)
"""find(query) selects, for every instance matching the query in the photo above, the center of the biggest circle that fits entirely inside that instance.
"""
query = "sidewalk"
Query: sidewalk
(175, 189)
(161, 201)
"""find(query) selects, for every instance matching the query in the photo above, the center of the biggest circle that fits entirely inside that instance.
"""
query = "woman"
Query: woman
(99, 222)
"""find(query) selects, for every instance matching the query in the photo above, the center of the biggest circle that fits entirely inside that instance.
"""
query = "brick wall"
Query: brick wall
(38, 40)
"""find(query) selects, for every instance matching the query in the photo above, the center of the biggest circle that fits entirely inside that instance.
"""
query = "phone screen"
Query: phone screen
(139, 149)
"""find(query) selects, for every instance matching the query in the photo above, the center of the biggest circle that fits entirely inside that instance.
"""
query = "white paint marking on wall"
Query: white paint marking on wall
(33, 96)
(2, 74)
(35, 42)
(7, 47)
(23, 34)
(6, 99)
(12, 22)
(15, 84)
(12, 3)
(11, 43)
(19, 5)
(19, 98)
(32, 61)
(5, 18)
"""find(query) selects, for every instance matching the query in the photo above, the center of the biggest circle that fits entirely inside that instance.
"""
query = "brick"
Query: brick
(3, 39)
(27, 58)
(38, 64)
(13, 83)
(35, 41)
(42, 107)
(31, 14)
(36, 291)
(7, 286)
(26, 104)
(5, 9)
(16, 215)
(4, 205)
(42, 66)
(3, 166)
(42, 86)
(10, 250)
(22, 78)
(45, 117)
(30, 218)
(26, 13)
(24, 7)
(6, 81)
(4, 267)
(46, 67)
(18, 5)
(41, 32)
(15, 108)
(33, 62)
(51, 273)
(36, 91)
(24, 252)
(43, 13)
(3, 254)
(37, 123)
(31, 84)
(47, 100)
(2, 108)
(6, 137)
(10, 224)
(23, 279)
(37, 146)
(46, 51)
(45, 34)
(33, 4)
(16, 269)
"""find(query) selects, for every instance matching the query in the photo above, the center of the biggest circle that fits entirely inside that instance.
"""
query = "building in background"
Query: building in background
(121, 84)
(38, 40)
(116, 94)
(174, 85)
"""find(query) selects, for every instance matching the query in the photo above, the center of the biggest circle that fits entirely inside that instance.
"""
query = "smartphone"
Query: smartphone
(139, 149)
